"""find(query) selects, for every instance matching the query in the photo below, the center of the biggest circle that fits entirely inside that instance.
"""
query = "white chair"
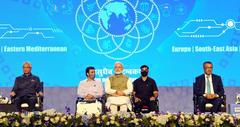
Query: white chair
(88, 106)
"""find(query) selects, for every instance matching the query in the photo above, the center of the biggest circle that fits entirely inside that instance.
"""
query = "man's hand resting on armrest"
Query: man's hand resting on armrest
(136, 99)
(12, 94)
(40, 94)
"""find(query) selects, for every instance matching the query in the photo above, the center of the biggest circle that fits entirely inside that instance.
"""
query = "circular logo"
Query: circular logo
(117, 29)
(117, 17)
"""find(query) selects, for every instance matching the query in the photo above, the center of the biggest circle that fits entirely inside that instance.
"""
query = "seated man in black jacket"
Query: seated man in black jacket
(26, 88)
(209, 89)
(145, 91)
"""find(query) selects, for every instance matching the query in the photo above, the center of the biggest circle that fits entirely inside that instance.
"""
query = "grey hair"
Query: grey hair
(118, 62)
(26, 62)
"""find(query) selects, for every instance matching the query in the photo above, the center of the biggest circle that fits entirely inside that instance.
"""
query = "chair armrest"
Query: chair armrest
(224, 99)
(39, 99)
(195, 99)
(13, 98)
(80, 99)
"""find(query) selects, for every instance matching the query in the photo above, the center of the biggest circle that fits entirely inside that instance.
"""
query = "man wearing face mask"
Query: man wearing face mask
(118, 88)
(145, 91)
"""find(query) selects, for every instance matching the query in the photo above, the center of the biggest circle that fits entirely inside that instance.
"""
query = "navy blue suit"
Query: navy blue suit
(199, 90)
(26, 88)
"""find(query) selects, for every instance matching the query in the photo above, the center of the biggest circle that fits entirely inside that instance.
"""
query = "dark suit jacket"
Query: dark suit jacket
(199, 85)
(27, 85)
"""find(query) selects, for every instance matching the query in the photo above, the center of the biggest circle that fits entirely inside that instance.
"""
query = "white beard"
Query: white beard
(118, 73)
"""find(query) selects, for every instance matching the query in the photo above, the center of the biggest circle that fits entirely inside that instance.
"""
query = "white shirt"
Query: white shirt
(211, 83)
(90, 87)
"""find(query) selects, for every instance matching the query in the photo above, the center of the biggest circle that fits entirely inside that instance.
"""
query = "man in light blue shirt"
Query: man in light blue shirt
(90, 88)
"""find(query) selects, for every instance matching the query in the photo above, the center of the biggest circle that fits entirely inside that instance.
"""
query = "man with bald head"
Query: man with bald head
(26, 88)
(118, 88)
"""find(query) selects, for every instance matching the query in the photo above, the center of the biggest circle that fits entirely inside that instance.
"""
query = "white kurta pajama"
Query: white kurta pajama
(120, 100)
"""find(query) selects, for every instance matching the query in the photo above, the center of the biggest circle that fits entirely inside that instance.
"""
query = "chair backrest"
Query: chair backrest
(41, 86)
(194, 88)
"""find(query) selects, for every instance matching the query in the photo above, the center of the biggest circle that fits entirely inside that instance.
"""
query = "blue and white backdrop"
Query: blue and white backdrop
(62, 37)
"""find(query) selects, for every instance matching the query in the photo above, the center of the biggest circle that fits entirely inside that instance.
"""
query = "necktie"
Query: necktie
(208, 85)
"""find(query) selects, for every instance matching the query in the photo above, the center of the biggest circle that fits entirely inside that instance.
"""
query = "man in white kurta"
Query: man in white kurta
(118, 88)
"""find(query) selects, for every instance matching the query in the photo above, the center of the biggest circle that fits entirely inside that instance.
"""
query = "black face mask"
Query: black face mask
(144, 73)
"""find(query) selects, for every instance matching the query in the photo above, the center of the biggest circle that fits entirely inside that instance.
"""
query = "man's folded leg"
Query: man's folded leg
(122, 100)
(31, 101)
(216, 105)
(153, 105)
(113, 109)
(138, 107)
(123, 108)
(202, 102)
(18, 102)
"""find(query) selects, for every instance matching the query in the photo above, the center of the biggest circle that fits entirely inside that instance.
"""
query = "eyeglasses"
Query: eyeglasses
(26, 67)
(208, 67)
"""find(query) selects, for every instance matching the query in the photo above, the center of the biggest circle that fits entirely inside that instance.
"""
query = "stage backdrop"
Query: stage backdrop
(62, 37)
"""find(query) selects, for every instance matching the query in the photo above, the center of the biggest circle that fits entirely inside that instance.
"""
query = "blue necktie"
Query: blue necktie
(208, 85)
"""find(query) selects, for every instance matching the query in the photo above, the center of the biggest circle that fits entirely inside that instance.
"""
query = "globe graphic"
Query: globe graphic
(117, 17)
(117, 29)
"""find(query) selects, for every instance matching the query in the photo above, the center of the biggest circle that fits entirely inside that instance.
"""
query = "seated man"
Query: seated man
(89, 90)
(26, 88)
(209, 89)
(118, 87)
(145, 91)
